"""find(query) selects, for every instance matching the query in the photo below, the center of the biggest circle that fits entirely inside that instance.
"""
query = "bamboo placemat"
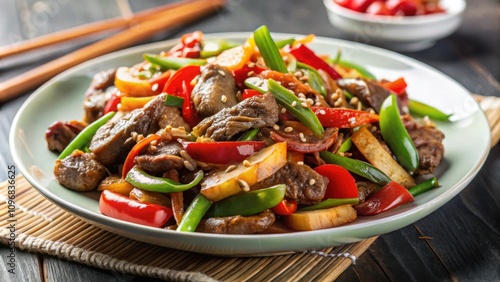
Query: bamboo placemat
(43, 227)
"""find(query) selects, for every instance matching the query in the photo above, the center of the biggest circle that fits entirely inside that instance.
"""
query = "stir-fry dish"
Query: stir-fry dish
(267, 136)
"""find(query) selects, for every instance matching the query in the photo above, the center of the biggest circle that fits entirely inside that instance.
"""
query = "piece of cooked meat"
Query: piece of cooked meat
(429, 143)
(368, 92)
(303, 184)
(79, 171)
(97, 95)
(113, 141)
(215, 90)
(365, 190)
(237, 224)
(61, 133)
(255, 112)
(160, 158)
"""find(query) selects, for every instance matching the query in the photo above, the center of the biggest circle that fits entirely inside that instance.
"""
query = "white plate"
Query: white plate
(466, 148)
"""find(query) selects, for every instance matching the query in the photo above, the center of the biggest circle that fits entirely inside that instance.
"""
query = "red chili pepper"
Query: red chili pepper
(112, 104)
(246, 71)
(247, 93)
(341, 183)
(224, 152)
(121, 207)
(285, 207)
(129, 161)
(180, 85)
(398, 86)
(390, 196)
(307, 56)
(189, 47)
(343, 118)
(160, 80)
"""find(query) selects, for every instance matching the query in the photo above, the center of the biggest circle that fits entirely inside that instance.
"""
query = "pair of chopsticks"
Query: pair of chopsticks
(138, 27)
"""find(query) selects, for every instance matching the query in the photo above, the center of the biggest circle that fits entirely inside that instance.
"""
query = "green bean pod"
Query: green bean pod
(421, 109)
(194, 213)
(358, 167)
(330, 203)
(395, 134)
(424, 186)
(83, 138)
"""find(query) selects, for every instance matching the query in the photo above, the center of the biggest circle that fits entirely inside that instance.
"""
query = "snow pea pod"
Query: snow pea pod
(194, 213)
(421, 109)
(83, 138)
(248, 203)
(140, 179)
(174, 63)
(395, 134)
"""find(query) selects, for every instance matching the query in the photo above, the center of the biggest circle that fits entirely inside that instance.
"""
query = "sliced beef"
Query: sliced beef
(114, 140)
(214, 91)
(160, 158)
(255, 112)
(303, 184)
(79, 171)
(368, 92)
(429, 143)
(237, 224)
(308, 143)
(365, 190)
(60, 133)
(97, 94)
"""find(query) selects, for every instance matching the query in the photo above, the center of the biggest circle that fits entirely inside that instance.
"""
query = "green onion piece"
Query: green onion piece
(173, 63)
(249, 135)
(194, 213)
(268, 49)
(315, 79)
(174, 101)
(83, 138)
(330, 203)
(215, 47)
(287, 99)
(358, 167)
(282, 43)
(421, 109)
(257, 83)
(424, 186)
(346, 145)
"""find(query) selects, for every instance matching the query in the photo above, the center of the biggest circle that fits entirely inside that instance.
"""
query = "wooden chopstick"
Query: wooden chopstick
(81, 31)
(178, 15)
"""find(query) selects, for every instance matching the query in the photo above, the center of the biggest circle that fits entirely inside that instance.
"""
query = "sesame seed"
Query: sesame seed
(276, 127)
(304, 104)
(230, 168)
(154, 87)
(250, 73)
(334, 96)
(292, 84)
(154, 143)
(305, 77)
(301, 135)
(283, 110)
(243, 185)
(352, 120)
(288, 129)
(223, 99)
(251, 64)
(300, 163)
(221, 72)
(301, 95)
(298, 74)
(337, 103)
(322, 112)
(312, 181)
(246, 163)
(294, 103)
(354, 100)
(189, 165)
(303, 140)
(310, 101)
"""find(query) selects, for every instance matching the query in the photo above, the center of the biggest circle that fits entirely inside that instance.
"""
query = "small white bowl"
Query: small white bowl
(398, 33)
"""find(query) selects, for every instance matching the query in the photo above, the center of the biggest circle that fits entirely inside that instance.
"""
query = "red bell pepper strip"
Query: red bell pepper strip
(180, 85)
(307, 56)
(224, 152)
(247, 93)
(129, 161)
(388, 197)
(189, 47)
(341, 184)
(343, 118)
(246, 71)
(121, 207)
(397, 86)
(160, 81)
(112, 104)
(285, 207)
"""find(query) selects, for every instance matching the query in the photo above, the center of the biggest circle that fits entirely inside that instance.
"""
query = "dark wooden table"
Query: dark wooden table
(460, 241)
